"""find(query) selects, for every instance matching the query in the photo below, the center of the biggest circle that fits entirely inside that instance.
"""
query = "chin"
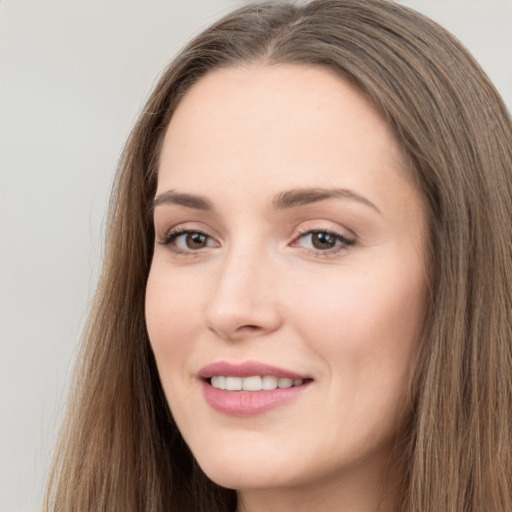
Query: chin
(244, 478)
(246, 470)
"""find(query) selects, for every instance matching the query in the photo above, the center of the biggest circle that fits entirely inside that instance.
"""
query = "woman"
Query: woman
(306, 298)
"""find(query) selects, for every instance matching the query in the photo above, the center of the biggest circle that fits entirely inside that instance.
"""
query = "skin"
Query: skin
(260, 288)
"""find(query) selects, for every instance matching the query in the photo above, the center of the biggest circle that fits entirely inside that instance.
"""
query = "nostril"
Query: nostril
(238, 319)
(249, 327)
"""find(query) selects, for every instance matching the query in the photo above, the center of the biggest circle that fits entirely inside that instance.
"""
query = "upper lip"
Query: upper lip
(246, 369)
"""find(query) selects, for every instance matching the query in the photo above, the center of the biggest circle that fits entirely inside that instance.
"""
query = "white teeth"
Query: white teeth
(269, 382)
(233, 383)
(251, 384)
(255, 383)
(219, 382)
(284, 383)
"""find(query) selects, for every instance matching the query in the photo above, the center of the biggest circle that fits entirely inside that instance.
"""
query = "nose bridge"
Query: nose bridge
(243, 299)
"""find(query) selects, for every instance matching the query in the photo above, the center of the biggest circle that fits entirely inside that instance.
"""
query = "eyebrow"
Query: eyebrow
(187, 200)
(303, 196)
(284, 200)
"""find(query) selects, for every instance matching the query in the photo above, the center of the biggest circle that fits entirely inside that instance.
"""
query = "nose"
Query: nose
(244, 302)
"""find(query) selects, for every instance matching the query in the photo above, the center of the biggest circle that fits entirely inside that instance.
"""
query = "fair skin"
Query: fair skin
(301, 248)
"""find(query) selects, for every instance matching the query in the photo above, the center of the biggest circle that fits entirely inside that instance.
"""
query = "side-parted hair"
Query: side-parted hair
(120, 450)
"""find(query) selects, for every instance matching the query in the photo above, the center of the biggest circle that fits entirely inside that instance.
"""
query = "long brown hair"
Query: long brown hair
(120, 449)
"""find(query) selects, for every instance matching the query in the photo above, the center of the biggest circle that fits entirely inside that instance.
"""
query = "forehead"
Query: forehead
(277, 124)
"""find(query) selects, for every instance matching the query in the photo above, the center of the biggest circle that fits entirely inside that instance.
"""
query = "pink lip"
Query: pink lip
(247, 403)
(246, 369)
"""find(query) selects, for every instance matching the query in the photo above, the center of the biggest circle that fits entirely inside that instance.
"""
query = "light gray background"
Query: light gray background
(73, 77)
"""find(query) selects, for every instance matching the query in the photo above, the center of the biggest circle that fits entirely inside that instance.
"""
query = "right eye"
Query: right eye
(184, 241)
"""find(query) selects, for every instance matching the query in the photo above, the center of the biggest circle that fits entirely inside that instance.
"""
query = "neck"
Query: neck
(352, 490)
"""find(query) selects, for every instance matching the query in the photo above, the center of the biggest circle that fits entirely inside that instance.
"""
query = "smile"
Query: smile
(254, 383)
(250, 388)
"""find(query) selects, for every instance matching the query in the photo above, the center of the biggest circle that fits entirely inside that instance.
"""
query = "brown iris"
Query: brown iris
(322, 240)
(196, 240)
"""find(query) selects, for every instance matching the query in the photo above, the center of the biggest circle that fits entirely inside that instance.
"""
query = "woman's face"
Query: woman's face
(289, 252)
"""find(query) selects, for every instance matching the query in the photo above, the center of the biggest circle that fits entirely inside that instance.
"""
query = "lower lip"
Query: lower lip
(248, 403)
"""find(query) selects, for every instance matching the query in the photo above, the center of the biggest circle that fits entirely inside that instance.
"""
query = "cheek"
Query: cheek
(364, 326)
(363, 306)
(171, 312)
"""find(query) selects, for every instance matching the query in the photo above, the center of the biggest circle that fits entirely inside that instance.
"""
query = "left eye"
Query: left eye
(323, 240)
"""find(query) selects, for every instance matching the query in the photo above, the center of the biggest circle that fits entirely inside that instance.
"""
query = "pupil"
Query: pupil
(323, 240)
(196, 241)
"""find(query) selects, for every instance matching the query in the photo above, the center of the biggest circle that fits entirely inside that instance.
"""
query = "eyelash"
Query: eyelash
(175, 233)
(344, 241)
(343, 245)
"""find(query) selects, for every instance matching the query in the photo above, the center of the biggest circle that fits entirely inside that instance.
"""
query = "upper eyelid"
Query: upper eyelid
(188, 227)
(336, 232)
(178, 231)
(347, 241)
(320, 226)
(327, 226)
